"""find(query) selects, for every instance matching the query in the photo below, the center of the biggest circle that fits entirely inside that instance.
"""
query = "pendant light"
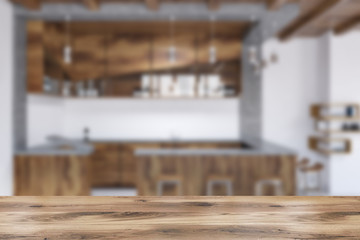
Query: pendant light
(172, 48)
(212, 49)
(67, 54)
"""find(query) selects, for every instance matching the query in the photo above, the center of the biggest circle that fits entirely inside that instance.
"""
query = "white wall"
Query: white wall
(153, 119)
(289, 88)
(45, 116)
(132, 118)
(299, 79)
(345, 87)
(6, 76)
(326, 69)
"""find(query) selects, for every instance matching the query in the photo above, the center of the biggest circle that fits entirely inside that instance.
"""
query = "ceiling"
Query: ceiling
(316, 16)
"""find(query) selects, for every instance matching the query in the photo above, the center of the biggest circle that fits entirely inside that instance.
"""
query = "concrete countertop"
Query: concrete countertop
(61, 147)
(258, 147)
(178, 140)
(79, 147)
(58, 146)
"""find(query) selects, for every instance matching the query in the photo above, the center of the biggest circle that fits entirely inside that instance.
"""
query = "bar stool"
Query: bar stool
(316, 169)
(175, 180)
(276, 183)
(301, 176)
(219, 180)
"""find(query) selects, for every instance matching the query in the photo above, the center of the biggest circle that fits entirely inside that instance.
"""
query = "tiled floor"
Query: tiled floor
(124, 192)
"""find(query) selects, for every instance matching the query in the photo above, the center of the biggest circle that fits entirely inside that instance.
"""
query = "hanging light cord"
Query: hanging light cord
(213, 29)
(172, 30)
(68, 19)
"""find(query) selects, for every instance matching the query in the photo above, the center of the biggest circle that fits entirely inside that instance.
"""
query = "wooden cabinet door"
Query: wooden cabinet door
(106, 165)
(128, 165)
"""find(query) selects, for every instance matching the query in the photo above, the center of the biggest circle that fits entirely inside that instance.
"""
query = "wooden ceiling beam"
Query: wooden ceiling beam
(213, 5)
(305, 20)
(152, 4)
(274, 5)
(347, 25)
(92, 5)
(29, 4)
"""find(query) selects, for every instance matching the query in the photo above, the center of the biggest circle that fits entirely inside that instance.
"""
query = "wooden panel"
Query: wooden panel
(316, 17)
(54, 41)
(116, 50)
(128, 55)
(180, 218)
(275, 4)
(35, 56)
(114, 164)
(322, 145)
(150, 4)
(88, 57)
(92, 4)
(52, 176)
(245, 170)
(307, 18)
(106, 165)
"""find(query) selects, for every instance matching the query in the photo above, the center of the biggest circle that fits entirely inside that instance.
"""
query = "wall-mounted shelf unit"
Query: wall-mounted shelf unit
(334, 118)
(336, 112)
(337, 127)
(329, 146)
(337, 118)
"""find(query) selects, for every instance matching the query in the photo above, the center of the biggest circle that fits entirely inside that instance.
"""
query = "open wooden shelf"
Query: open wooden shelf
(352, 127)
(345, 115)
(317, 112)
(315, 143)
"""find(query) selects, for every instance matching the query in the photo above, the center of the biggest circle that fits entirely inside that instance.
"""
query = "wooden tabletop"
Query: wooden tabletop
(179, 218)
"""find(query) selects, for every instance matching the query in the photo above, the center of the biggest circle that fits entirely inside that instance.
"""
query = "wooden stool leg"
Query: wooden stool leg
(258, 189)
(279, 189)
(176, 183)
(180, 188)
(209, 188)
(277, 185)
(229, 188)
(159, 188)
(227, 184)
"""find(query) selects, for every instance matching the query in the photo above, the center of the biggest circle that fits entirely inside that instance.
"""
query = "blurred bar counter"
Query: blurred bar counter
(66, 167)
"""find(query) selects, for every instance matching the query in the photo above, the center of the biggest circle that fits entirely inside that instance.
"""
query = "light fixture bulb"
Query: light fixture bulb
(212, 49)
(67, 54)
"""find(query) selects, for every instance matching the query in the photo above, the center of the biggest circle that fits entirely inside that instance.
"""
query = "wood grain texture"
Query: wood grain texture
(35, 56)
(179, 218)
(52, 176)
(195, 170)
(114, 164)
(151, 4)
(117, 50)
(315, 143)
(309, 17)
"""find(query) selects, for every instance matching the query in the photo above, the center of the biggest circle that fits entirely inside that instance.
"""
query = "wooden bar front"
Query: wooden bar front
(47, 175)
(194, 171)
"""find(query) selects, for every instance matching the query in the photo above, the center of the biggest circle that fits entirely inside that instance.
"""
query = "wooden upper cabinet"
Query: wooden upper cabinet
(128, 54)
(35, 56)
